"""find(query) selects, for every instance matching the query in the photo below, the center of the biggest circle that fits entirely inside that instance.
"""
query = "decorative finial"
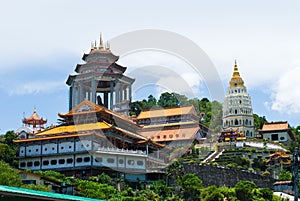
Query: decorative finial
(101, 42)
(235, 62)
(92, 45)
(107, 46)
(34, 110)
(95, 44)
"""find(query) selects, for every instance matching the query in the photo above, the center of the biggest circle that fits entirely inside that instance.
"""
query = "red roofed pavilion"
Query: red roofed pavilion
(35, 120)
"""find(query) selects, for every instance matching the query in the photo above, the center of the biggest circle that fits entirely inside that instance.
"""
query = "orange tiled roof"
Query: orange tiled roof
(275, 126)
(171, 134)
(167, 112)
(75, 128)
(86, 107)
(34, 119)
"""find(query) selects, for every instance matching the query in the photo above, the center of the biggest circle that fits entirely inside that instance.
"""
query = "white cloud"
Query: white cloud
(35, 87)
(286, 94)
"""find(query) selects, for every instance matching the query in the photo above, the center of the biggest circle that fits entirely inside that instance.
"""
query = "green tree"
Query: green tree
(9, 176)
(8, 149)
(37, 187)
(8, 139)
(259, 163)
(95, 190)
(159, 187)
(244, 190)
(190, 186)
(259, 121)
(229, 193)
(211, 193)
(167, 100)
(285, 175)
(7, 154)
(174, 170)
(103, 179)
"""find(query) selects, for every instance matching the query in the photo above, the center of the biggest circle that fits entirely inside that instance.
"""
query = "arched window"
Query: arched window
(236, 122)
(246, 122)
(235, 111)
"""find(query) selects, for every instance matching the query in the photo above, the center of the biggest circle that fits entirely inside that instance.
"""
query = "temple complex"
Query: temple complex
(97, 135)
(91, 139)
(237, 107)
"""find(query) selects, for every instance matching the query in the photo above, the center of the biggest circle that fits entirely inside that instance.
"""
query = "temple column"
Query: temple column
(130, 93)
(71, 98)
(89, 95)
(125, 93)
(121, 93)
(80, 95)
(105, 96)
(111, 95)
(117, 91)
(93, 91)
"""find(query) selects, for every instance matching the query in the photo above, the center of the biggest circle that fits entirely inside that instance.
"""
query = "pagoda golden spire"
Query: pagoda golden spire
(236, 79)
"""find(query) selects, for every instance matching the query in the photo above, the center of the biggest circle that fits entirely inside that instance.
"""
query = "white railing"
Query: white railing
(127, 151)
(114, 149)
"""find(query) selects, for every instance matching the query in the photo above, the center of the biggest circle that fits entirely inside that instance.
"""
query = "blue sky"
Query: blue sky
(42, 41)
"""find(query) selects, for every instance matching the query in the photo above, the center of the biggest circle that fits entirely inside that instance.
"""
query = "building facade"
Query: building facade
(277, 131)
(91, 139)
(237, 107)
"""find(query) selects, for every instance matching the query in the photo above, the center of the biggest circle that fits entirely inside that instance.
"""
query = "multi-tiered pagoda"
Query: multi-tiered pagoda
(101, 80)
(237, 107)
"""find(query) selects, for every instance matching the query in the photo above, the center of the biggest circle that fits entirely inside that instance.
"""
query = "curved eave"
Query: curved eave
(84, 56)
(77, 69)
(70, 79)
(122, 68)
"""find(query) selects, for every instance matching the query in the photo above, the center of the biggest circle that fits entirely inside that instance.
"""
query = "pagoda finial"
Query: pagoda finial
(34, 110)
(107, 46)
(101, 47)
(235, 70)
(92, 45)
(95, 44)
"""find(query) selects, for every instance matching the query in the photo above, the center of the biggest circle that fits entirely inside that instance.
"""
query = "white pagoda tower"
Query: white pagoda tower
(237, 107)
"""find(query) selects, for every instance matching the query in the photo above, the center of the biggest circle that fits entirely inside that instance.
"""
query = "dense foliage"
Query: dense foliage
(8, 149)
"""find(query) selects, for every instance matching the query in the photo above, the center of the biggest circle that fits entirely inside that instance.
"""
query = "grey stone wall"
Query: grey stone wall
(223, 176)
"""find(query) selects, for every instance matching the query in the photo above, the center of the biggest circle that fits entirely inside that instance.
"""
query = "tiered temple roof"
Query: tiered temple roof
(34, 120)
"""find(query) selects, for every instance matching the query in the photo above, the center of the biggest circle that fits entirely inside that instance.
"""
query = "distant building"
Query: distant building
(237, 107)
(277, 131)
(278, 159)
(174, 126)
(32, 125)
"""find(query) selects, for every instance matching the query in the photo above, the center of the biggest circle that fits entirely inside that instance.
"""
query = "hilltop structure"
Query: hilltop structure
(31, 125)
(277, 131)
(237, 107)
(100, 79)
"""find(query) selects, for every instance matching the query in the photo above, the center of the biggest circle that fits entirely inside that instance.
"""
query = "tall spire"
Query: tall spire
(101, 47)
(236, 79)
(235, 69)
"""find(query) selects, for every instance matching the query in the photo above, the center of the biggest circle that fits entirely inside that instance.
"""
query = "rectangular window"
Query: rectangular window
(274, 137)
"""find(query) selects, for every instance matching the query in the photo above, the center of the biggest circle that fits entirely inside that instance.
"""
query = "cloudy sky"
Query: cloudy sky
(42, 41)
